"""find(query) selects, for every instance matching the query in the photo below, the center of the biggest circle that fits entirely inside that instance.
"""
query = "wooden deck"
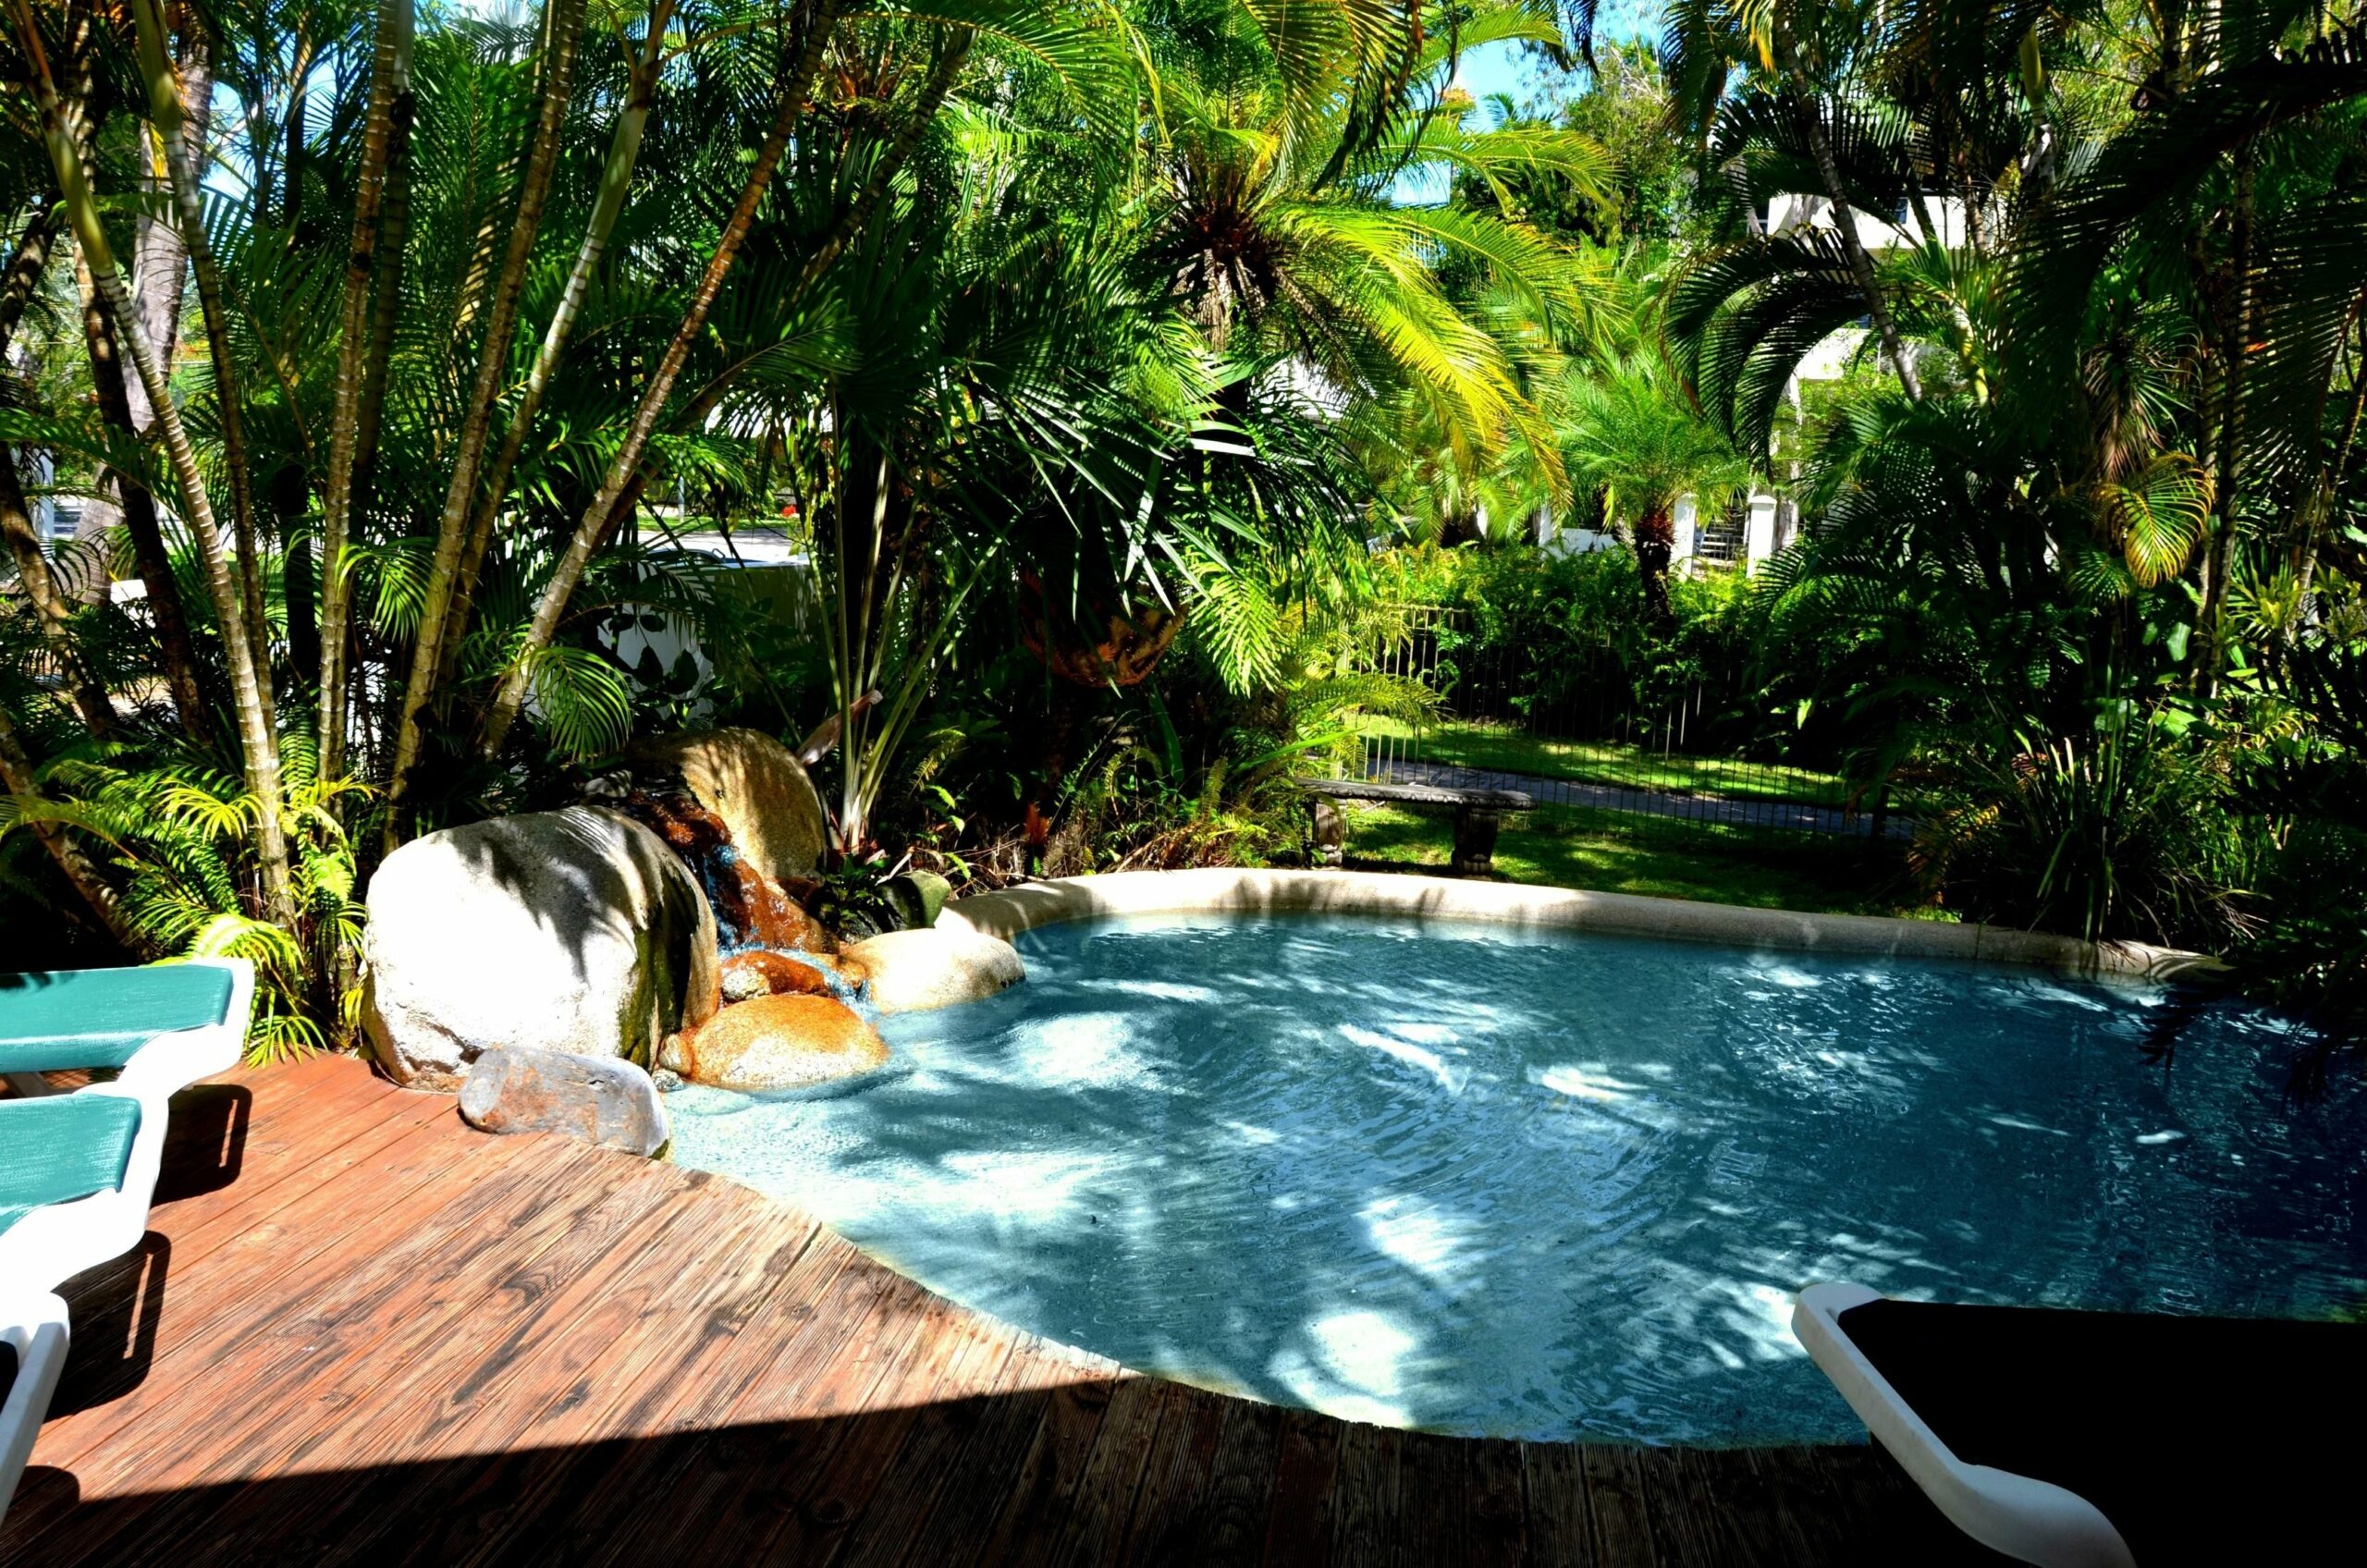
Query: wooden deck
(359, 1332)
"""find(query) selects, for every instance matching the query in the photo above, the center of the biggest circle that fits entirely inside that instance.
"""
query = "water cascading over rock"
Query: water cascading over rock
(794, 1014)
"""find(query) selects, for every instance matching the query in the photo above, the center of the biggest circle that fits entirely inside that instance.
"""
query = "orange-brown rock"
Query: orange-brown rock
(777, 1043)
(759, 789)
(762, 973)
(754, 909)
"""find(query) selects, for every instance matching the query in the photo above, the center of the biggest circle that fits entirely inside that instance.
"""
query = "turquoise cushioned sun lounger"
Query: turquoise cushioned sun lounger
(78, 1018)
(59, 1149)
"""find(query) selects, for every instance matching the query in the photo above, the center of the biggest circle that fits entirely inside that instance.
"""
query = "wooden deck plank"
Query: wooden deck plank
(1367, 1515)
(1042, 1493)
(380, 1321)
(1495, 1504)
(1621, 1528)
(1554, 1488)
(1088, 1532)
(1299, 1528)
(528, 1341)
(1239, 1497)
(372, 1335)
(1168, 1526)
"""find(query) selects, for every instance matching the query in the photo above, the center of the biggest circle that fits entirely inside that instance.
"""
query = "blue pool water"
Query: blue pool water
(1451, 1176)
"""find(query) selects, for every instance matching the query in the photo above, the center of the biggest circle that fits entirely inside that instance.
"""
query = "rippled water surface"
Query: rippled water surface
(1443, 1176)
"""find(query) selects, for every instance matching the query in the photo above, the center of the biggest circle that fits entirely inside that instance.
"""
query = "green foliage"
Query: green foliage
(178, 829)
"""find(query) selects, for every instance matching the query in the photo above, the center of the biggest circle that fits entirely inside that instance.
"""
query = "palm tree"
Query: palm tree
(1631, 437)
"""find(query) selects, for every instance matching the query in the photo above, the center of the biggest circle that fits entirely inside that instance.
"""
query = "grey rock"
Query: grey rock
(598, 1100)
(574, 930)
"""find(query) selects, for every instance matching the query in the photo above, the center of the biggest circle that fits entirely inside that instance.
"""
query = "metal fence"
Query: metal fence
(1569, 729)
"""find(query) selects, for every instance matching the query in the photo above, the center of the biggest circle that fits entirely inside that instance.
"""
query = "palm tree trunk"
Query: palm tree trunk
(16, 775)
(1845, 219)
(564, 21)
(2235, 340)
(250, 691)
(615, 177)
(27, 262)
(51, 607)
(389, 89)
(166, 113)
(2315, 526)
(160, 257)
(1655, 542)
(176, 645)
(592, 523)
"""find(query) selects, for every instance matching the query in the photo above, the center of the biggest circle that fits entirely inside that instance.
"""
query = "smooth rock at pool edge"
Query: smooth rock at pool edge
(598, 1100)
(784, 1042)
(757, 787)
(572, 930)
(757, 972)
(915, 971)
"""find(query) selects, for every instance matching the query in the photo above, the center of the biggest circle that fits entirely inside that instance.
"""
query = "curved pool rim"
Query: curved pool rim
(1227, 891)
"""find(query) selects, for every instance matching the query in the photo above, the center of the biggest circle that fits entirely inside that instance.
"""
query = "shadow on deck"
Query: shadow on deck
(359, 1332)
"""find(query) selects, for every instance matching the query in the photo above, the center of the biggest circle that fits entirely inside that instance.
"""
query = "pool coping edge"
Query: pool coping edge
(1239, 890)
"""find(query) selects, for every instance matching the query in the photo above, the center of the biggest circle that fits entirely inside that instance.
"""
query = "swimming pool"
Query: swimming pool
(1486, 1181)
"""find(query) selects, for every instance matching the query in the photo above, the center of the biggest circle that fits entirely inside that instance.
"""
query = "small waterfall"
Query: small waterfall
(752, 914)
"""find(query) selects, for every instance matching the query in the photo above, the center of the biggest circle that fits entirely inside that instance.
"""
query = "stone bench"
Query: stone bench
(1477, 815)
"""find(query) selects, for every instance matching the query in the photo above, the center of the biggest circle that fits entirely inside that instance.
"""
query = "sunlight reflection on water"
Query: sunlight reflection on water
(1453, 1177)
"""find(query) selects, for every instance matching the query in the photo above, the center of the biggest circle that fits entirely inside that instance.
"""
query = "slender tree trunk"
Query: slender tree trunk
(1655, 542)
(250, 693)
(568, 571)
(16, 773)
(2235, 341)
(833, 242)
(137, 510)
(52, 608)
(1804, 101)
(27, 262)
(390, 83)
(565, 21)
(160, 258)
(166, 113)
(615, 177)
(2330, 487)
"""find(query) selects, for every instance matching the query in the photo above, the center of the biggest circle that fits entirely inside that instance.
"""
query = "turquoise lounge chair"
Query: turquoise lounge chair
(77, 1171)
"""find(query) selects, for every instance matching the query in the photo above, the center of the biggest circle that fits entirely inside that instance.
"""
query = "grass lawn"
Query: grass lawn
(1471, 743)
(1626, 852)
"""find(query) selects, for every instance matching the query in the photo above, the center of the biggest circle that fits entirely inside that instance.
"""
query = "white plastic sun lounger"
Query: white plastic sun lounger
(2100, 1440)
(77, 1171)
(32, 1352)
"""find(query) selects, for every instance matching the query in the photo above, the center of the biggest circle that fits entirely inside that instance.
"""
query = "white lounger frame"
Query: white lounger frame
(51, 1245)
(34, 1325)
(2035, 1521)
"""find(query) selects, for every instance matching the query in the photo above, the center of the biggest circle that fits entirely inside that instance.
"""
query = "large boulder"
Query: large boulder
(598, 1100)
(783, 1042)
(757, 787)
(915, 971)
(572, 930)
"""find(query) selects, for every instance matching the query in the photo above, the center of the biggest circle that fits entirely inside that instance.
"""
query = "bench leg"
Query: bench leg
(1475, 841)
(1331, 832)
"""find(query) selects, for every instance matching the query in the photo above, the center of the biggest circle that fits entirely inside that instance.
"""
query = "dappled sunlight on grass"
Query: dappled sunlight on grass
(1621, 853)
